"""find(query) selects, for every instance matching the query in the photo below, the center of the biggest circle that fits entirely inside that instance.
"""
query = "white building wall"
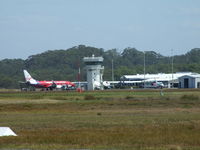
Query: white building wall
(197, 81)
(192, 82)
(94, 72)
(93, 76)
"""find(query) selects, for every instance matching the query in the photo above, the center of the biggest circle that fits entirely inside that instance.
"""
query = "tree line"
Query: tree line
(64, 64)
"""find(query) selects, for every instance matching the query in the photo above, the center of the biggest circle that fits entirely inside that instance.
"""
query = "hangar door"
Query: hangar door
(186, 83)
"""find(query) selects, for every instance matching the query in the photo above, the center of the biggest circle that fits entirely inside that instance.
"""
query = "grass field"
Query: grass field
(136, 119)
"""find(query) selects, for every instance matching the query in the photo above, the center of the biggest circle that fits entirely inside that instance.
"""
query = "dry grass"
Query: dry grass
(105, 120)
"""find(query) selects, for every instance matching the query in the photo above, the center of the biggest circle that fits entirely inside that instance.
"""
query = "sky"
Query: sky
(29, 27)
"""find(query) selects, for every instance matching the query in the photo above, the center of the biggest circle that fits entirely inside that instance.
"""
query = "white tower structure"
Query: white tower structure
(94, 72)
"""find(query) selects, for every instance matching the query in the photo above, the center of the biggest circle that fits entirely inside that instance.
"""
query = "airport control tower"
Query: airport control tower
(94, 72)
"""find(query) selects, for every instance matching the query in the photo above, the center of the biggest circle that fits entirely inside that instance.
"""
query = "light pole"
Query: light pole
(144, 69)
(172, 69)
(79, 75)
(112, 71)
(155, 62)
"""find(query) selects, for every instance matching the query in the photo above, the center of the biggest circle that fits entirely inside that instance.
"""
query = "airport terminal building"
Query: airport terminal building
(176, 80)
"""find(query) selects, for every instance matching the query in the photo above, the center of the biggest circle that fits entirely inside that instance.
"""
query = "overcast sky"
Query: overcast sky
(29, 27)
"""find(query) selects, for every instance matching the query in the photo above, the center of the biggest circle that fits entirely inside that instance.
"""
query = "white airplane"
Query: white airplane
(152, 84)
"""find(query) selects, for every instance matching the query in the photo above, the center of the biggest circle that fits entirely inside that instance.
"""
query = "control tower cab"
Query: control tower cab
(94, 70)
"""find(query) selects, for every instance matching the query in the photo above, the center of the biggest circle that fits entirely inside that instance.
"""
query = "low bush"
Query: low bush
(89, 97)
(189, 97)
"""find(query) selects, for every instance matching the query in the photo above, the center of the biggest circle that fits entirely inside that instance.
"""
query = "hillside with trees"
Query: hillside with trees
(64, 64)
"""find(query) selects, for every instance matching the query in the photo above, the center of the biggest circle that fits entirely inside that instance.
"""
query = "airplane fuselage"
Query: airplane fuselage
(59, 84)
(47, 84)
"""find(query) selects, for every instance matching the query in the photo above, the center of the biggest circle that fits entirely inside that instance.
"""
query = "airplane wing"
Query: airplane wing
(22, 82)
(149, 80)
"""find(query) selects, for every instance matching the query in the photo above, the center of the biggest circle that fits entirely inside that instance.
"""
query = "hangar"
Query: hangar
(189, 81)
(169, 80)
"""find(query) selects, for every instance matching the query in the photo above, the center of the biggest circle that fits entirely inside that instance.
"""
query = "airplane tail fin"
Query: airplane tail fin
(28, 78)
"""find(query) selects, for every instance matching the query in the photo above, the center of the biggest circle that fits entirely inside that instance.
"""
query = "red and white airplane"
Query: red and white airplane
(48, 85)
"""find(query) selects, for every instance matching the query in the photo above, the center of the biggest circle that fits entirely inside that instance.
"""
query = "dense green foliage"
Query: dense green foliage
(64, 64)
